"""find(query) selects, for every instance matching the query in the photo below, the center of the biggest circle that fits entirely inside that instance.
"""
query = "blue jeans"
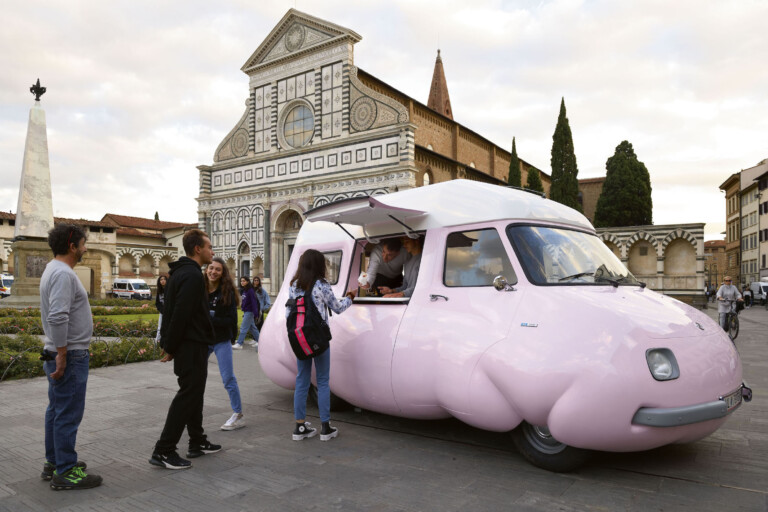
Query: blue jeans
(248, 325)
(223, 352)
(303, 380)
(66, 403)
(724, 321)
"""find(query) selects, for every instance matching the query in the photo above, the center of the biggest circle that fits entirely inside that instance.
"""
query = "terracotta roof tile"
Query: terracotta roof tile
(136, 232)
(142, 223)
(59, 220)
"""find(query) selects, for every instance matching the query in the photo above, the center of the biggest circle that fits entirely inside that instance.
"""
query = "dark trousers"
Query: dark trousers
(389, 282)
(190, 364)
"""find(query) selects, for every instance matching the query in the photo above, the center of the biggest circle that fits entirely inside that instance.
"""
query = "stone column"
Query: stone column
(660, 275)
(266, 281)
(34, 213)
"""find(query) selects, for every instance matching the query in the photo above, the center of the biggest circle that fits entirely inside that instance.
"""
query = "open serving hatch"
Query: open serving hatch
(363, 212)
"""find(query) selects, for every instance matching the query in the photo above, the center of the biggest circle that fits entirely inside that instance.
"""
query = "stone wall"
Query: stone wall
(668, 258)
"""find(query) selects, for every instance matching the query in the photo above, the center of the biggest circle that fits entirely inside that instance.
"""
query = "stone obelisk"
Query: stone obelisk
(34, 212)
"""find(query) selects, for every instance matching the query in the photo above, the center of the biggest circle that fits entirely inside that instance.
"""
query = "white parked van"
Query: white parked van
(759, 292)
(6, 280)
(131, 289)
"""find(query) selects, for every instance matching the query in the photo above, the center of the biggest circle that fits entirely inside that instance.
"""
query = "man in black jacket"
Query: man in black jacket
(185, 333)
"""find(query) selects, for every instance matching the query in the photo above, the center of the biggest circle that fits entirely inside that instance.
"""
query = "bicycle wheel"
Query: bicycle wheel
(733, 326)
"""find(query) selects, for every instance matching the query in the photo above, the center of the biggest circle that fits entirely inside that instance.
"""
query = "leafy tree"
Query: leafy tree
(515, 178)
(626, 196)
(534, 180)
(157, 217)
(565, 185)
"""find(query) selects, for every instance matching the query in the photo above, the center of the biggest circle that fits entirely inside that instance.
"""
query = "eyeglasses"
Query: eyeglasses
(69, 238)
(727, 280)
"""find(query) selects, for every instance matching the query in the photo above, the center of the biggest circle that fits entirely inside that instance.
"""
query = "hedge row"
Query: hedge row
(101, 328)
(146, 309)
(20, 355)
(127, 303)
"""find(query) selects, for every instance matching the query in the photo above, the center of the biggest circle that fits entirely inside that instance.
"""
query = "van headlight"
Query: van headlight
(662, 363)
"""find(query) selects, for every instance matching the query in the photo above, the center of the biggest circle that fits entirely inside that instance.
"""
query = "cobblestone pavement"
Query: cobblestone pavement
(377, 463)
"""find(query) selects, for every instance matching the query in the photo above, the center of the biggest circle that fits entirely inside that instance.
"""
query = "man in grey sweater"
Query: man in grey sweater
(68, 325)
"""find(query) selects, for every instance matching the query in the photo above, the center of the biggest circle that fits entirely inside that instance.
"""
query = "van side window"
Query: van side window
(475, 258)
(332, 266)
(120, 286)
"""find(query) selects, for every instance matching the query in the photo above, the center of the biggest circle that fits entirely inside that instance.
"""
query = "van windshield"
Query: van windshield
(563, 256)
(7, 281)
(140, 286)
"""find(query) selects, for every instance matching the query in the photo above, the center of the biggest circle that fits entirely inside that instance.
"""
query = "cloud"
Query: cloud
(140, 93)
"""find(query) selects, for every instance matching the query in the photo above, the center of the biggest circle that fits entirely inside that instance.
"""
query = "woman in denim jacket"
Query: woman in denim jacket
(310, 278)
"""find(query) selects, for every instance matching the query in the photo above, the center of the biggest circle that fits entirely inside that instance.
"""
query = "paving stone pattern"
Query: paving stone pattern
(378, 463)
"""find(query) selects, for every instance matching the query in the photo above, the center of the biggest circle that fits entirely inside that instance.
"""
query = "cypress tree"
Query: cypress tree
(534, 180)
(515, 178)
(565, 185)
(626, 196)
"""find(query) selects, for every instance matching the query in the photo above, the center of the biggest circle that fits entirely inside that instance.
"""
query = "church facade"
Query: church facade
(317, 129)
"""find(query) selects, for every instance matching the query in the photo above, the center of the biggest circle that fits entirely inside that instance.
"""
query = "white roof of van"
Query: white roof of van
(451, 203)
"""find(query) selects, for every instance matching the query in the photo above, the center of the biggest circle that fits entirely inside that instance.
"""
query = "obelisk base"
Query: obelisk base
(29, 260)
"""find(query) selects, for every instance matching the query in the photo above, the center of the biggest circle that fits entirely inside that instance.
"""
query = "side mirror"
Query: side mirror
(501, 284)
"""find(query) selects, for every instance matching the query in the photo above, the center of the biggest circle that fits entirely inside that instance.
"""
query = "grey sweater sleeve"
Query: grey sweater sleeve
(59, 305)
(411, 273)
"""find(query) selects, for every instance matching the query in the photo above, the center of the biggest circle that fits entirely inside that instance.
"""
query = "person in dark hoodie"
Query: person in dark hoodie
(251, 311)
(185, 334)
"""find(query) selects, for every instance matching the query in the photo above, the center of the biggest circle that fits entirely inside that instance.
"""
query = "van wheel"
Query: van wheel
(337, 404)
(537, 445)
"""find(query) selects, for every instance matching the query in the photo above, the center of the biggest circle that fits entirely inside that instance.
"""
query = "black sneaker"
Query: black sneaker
(303, 431)
(203, 448)
(169, 461)
(327, 432)
(75, 478)
(49, 468)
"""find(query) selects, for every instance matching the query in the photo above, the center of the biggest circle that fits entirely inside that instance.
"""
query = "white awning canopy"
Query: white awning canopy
(361, 211)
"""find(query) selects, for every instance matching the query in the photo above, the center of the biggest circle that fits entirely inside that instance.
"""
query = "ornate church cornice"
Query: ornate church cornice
(370, 109)
(297, 34)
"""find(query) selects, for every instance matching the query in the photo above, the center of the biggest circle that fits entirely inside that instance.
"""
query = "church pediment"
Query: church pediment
(296, 34)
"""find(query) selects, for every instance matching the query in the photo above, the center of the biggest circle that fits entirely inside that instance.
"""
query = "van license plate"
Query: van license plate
(733, 400)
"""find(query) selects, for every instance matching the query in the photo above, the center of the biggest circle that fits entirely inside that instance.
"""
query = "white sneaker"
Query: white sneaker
(235, 422)
(253, 343)
(237, 346)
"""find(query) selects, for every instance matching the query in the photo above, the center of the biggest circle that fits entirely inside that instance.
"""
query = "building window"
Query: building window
(299, 126)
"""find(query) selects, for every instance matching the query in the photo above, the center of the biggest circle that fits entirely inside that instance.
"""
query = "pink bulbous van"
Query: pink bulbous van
(522, 320)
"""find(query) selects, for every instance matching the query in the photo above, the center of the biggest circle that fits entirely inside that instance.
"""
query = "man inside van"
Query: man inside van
(385, 266)
(68, 326)
(185, 333)
(726, 295)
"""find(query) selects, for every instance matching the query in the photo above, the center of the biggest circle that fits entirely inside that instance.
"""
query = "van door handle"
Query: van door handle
(433, 297)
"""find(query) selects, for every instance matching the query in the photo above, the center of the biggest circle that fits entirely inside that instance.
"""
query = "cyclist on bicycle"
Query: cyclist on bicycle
(726, 295)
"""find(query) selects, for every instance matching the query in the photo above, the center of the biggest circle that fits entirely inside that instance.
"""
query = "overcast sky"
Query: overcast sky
(142, 92)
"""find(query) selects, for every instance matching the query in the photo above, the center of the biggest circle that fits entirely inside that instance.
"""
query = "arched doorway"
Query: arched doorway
(244, 256)
(287, 226)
